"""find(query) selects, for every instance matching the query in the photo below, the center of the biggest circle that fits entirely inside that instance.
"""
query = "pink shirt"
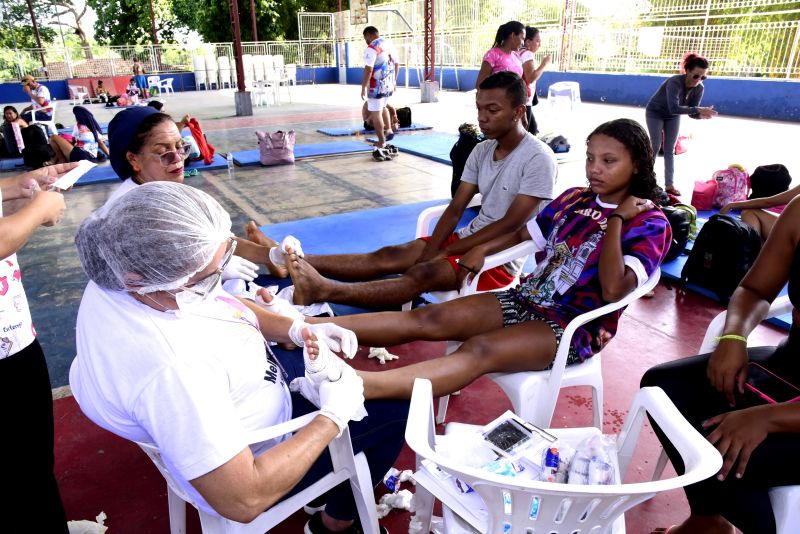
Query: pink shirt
(500, 61)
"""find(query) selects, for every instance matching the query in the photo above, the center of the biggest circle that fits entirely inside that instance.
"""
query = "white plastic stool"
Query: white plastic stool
(564, 95)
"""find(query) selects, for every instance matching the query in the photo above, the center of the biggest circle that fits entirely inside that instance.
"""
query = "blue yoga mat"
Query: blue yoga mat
(353, 130)
(434, 146)
(11, 164)
(356, 232)
(246, 158)
(219, 162)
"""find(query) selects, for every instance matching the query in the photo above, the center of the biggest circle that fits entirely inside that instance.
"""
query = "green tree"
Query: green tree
(121, 22)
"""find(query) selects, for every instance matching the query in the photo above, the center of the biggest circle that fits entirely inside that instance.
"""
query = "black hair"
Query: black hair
(370, 30)
(631, 134)
(692, 60)
(513, 84)
(12, 108)
(156, 104)
(506, 30)
(99, 82)
(531, 33)
(150, 122)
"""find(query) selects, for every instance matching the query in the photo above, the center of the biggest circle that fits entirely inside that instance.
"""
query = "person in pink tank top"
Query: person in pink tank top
(504, 54)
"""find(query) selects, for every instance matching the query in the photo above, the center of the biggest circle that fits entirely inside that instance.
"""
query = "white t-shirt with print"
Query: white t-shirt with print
(43, 92)
(16, 325)
(193, 384)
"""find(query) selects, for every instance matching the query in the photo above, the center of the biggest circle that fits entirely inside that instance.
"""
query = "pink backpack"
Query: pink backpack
(733, 185)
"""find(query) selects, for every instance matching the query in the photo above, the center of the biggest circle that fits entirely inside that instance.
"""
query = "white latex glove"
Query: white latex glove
(382, 355)
(343, 401)
(279, 306)
(276, 254)
(337, 339)
(241, 268)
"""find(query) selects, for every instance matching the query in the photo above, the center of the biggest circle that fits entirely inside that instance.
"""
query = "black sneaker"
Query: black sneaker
(316, 505)
(315, 526)
(380, 154)
(393, 150)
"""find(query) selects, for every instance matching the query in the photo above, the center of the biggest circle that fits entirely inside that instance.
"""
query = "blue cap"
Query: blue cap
(121, 131)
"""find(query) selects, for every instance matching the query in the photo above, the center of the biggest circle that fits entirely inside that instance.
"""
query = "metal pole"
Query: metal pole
(244, 105)
(430, 41)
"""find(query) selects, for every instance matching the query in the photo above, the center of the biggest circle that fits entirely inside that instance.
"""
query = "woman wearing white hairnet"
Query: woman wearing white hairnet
(146, 146)
(165, 356)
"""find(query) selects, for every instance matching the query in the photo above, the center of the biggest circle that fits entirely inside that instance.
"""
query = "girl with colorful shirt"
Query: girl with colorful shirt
(86, 139)
(596, 244)
(504, 53)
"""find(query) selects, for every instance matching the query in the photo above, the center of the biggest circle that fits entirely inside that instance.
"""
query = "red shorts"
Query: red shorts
(492, 279)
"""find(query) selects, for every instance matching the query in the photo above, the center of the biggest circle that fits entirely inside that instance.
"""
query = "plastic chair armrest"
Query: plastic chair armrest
(428, 215)
(275, 431)
(779, 306)
(520, 250)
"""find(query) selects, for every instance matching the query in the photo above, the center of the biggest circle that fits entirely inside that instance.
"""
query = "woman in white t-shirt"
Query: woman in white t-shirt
(166, 356)
(27, 415)
(86, 141)
(531, 74)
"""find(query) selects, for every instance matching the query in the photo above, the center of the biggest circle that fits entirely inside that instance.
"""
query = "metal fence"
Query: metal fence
(741, 38)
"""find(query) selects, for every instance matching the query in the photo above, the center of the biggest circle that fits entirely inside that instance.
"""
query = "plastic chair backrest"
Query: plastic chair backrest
(562, 508)
(198, 63)
(153, 81)
(278, 61)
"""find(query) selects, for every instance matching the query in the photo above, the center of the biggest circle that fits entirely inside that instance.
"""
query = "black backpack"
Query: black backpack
(459, 155)
(681, 224)
(557, 143)
(403, 117)
(723, 252)
(37, 149)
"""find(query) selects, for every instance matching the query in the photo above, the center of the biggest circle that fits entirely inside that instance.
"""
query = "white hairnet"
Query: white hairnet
(155, 237)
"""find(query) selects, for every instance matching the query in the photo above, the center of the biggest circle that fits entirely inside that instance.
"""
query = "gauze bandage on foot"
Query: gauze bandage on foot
(277, 254)
(326, 366)
(279, 306)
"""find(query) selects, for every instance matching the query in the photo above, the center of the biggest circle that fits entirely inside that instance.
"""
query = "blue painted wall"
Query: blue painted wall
(756, 98)
(12, 91)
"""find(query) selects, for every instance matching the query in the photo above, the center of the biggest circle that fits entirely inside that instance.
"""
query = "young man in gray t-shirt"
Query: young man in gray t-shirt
(515, 174)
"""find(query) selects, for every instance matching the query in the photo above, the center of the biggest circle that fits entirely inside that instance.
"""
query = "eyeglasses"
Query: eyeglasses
(173, 156)
(699, 77)
(204, 286)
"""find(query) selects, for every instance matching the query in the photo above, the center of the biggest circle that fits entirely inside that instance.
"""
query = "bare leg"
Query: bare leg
(377, 123)
(393, 259)
(527, 346)
(387, 121)
(457, 320)
(61, 147)
(761, 220)
(311, 287)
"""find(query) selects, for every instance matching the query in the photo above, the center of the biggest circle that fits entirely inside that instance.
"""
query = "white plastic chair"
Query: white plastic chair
(154, 81)
(165, 86)
(564, 96)
(248, 63)
(199, 67)
(346, 466)
(224, 64)
(259, 63)
(534, 393)
(785, 499)
(51, 123)
(260, 92)
(79, 94)
(562, 508)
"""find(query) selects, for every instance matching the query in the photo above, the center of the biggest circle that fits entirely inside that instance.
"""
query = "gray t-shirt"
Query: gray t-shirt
(530, 170)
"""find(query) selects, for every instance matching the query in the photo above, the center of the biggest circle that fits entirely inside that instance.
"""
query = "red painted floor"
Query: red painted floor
(98, 471)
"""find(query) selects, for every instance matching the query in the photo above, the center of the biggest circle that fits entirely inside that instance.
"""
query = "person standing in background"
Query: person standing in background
(678, 95)
(378, 82)
(504, 54)
(533, 40)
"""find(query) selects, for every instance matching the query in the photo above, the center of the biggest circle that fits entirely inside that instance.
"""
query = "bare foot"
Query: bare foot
(258, 237)
(309, 285)
(255, 235)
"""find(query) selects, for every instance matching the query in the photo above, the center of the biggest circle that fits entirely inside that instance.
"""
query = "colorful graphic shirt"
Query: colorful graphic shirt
(566, 283)
(16, 326)
(379, 56)
(84, 138)
(500, 61)
(42, 92)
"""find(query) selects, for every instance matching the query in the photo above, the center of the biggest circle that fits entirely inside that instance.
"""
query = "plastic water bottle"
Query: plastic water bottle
(229, 157)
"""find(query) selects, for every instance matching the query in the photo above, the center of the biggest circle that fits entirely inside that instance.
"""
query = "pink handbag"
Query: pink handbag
(276, 148)
(703, 194)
